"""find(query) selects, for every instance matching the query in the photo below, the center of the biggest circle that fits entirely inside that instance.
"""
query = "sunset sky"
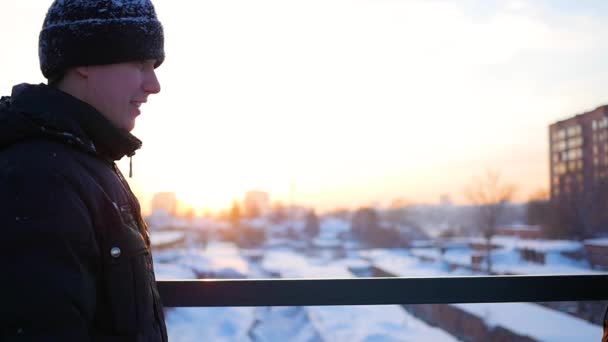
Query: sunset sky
(355, 102)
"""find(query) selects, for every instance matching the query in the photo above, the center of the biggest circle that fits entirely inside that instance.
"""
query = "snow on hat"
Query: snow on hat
(96, 32)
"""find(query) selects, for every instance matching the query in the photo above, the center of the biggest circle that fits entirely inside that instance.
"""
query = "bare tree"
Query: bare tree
(490, 196)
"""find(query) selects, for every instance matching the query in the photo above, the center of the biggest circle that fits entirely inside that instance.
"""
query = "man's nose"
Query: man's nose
(151, 84)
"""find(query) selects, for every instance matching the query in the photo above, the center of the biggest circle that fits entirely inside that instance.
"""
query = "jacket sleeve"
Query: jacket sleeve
(47, 257)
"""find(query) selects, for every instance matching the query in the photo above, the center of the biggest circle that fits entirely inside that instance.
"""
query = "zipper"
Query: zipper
(142, 227)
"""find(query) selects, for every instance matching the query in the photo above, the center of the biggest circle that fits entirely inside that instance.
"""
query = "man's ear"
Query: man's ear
(82, 71)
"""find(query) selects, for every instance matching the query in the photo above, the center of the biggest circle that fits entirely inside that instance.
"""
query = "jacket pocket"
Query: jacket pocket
(126, 275)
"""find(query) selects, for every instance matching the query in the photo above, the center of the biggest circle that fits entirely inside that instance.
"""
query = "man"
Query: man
(75, 253)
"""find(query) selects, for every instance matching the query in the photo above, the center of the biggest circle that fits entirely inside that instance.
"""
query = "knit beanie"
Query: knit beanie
(95, 32)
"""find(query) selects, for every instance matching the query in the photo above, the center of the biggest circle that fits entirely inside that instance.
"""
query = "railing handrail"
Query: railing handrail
(375, 291)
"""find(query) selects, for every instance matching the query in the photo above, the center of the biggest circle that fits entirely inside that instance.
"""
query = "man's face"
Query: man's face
(118, 90)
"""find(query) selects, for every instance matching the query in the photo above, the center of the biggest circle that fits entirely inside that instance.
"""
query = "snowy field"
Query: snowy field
(527, 319)
(286, 259)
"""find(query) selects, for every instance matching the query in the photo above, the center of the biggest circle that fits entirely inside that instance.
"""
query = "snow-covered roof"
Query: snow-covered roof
(219, 259)
(326, 243)
(523, 318)
(602, 242)
(539, 245)
(372, 323)
(520, 227)
(158, 238)
(404, 265)
(351, 323)
(549, 245)
(226, 256)
(535, 321)
(293, 265)
(334, 225)
(422, 243)
(173, 271)
(365, 323)
(209, 324)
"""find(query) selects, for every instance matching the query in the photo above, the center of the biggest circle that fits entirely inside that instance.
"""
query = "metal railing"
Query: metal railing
(373, 291)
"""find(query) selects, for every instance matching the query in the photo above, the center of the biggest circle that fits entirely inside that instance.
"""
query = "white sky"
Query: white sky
(356, 101)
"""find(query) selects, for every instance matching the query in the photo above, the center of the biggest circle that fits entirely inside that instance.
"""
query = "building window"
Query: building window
(559, 169)
(575, 142)
(571, 166)
(574, 131)
(559, 146)
(573, 154)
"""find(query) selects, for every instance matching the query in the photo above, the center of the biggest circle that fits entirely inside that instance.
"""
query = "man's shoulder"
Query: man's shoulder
(43, 157)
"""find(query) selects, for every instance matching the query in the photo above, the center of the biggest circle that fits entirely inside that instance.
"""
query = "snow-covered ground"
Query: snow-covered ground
(507, 259)
(372, 323)
(218, 259)
(286, 259)
(404, 264)
(159, 238)
(205, 324)
(351, 323)
(209, 324)
(528, 319)
(535, 321)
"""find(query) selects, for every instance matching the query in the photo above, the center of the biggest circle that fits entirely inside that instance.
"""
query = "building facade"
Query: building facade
(578, 154)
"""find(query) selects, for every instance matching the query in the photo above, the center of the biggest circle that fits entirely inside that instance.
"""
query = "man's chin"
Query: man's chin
(129, 126)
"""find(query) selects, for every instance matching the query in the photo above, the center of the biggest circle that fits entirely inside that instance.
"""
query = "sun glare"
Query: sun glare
(409, 103)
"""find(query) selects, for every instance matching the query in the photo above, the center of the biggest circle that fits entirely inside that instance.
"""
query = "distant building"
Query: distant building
(256, 203)
(578, 153)
(597, 251)
(520, 231)
(165, 201)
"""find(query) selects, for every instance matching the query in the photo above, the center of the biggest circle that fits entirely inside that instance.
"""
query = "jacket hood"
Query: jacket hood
(43, 112)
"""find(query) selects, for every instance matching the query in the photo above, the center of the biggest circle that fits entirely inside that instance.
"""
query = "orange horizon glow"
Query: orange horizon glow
(349, 103)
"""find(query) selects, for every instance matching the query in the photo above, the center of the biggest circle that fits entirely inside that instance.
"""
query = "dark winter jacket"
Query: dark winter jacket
(75, 253)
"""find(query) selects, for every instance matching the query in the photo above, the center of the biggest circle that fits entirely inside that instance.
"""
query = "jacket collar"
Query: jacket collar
(58, 113)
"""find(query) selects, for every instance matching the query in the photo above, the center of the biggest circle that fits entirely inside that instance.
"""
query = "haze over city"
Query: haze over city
(347, 103)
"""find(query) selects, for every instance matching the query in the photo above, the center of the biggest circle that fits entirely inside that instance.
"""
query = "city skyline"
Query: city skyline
(353, 102)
